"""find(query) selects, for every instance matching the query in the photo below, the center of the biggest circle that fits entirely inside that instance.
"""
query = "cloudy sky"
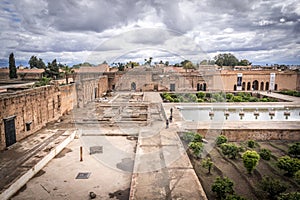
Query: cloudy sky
(75, 31)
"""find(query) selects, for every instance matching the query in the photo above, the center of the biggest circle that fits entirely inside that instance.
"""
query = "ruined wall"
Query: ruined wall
(32, 109)
(90, 89)
(246, 134)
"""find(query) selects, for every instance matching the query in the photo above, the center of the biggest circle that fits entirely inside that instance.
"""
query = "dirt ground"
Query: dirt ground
(245, 185)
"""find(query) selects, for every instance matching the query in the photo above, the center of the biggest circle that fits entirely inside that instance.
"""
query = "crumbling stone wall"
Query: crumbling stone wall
(33, 108)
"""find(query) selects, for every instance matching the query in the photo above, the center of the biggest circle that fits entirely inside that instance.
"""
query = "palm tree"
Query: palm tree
(67, 71)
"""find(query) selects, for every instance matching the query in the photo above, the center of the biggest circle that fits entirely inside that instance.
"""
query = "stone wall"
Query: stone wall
(246, 134)
(33, 108)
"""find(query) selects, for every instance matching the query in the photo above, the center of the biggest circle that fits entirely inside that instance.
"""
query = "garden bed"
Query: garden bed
(245, 184)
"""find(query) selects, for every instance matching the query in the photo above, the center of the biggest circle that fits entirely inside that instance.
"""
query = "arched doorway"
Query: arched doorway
(243, 86)
(262, 86)
(248, 86)
(234, 87)
(133, 86)
(255, 85)
(204, 86)
(267, 85)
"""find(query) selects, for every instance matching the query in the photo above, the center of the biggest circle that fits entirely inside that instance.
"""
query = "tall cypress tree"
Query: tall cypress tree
(12, 67)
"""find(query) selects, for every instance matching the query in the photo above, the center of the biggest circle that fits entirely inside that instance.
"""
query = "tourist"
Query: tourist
(171, 111)
(167, 124)
(170, 118)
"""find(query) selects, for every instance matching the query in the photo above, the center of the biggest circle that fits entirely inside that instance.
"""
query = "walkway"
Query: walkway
(162, 169)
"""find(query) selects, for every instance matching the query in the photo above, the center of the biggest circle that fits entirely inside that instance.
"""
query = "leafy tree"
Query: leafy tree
(222, 187)
(226, 59)
(251, 143)
(294, 149)
(207, 164)
(189, 136)
(34, 62)
(272, 187)
(297, 176)
(244, 62)
(12, 66)
(265, 154)
(230, 150)
(221, 139)
(44, 81)
(234, 197)
(288, 164)
(52, 70)
(250, 160)
(67, 71)
(289, 196)
(186, 64)
(167, 63)
(197, 148)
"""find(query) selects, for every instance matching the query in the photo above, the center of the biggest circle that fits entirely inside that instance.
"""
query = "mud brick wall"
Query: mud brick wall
(33, 108)
(246, 134)
(90, 89)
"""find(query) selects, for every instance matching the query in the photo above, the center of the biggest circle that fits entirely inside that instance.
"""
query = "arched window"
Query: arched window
(133, 86)
(262, 86)
(255, 85)
(204, 86)
(267, 85)
(243, 86)
(234, 87)
(248, 86)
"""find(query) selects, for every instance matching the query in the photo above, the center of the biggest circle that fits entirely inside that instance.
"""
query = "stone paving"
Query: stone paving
(140, 158)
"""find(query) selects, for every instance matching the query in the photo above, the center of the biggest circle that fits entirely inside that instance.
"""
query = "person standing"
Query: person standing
(167, 123)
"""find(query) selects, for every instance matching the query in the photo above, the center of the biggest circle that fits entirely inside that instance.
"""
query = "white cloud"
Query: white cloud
(76, 31)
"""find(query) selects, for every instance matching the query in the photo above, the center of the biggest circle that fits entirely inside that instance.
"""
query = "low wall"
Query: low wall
(255, 134)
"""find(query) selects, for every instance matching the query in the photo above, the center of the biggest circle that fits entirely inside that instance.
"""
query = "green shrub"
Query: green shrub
(297, 177)
(289, 196)
(272, 187)
(222, 187)
(265, 154)
(229, 96)
(250, 160)
(197, 148)
(288, 164)
(221, 139)
(200, 95)
(189, 136)
(237, 99)
(230, 150)
(294, 149)
(251, 143)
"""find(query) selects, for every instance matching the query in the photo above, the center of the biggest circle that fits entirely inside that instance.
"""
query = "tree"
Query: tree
(34, 62)
(222, 187)
(251, 143)
(207, 62)
(234, 197)
(52, 70)
(297, 177)
(265, 154)
(221, 139)
(230, 150)
(294, 149)
(207, 164)
(272, 187)
(12, 67)
(289, 196)
(250, 160)
(67, 71)
(186, 64)
(167, 63)
(226, 59)
(288, 164)
(44, 81)
(197, 148)
(244, 62)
